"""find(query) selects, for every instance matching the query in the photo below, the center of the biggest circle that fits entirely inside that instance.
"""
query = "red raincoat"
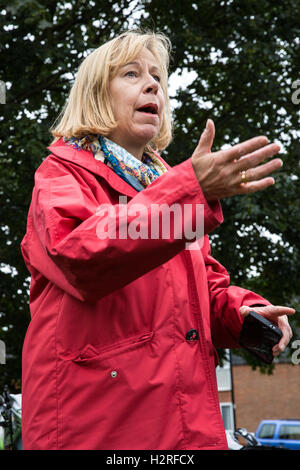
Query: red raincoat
(107, 361)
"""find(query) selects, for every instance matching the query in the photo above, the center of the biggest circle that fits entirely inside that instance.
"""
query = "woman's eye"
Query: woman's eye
(156, 77)
(130, 74)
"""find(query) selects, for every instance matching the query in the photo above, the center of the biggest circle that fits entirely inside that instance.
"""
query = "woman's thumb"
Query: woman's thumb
(207, 137)
(244, 310)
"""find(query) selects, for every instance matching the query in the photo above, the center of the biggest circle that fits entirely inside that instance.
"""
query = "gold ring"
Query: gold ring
(243, 174)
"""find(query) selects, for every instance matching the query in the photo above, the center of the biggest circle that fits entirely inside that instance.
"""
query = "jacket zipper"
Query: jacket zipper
(197, 311)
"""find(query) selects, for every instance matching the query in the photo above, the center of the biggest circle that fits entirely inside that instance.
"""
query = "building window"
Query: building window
(224, 374)
(227, 415)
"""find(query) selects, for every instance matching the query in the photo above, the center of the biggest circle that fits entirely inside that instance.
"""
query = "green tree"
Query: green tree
(246, 59)
(41, 47)
(245, 55)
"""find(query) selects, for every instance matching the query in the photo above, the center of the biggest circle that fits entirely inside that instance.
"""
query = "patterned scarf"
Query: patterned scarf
(139, 174)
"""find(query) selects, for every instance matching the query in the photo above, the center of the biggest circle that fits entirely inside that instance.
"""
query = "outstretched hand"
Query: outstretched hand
(237, 170)
(277, 315)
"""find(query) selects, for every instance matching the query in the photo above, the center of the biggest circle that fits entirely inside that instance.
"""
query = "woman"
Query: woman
(120, 351)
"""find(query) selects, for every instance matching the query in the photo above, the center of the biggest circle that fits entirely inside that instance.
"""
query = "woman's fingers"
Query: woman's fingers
(255, 186)
(238, 170)
(287, 334)
(239, 150)
(255, 158)
(268, 310)
(206, 140)
(260, 172)
(277, 314)
(255, 173)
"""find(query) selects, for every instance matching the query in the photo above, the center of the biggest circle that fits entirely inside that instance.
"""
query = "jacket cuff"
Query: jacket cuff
(213, 214)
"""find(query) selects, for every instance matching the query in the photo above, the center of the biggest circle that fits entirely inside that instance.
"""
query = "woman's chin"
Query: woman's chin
(147, 134)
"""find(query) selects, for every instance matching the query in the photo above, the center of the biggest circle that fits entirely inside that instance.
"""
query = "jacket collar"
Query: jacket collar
(86, 160)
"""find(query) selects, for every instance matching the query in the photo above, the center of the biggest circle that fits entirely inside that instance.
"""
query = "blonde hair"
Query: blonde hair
(88, 109)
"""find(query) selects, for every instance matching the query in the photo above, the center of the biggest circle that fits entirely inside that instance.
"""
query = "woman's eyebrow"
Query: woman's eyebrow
(152, 67)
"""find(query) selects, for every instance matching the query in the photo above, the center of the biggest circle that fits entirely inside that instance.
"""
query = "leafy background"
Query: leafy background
(238, 62)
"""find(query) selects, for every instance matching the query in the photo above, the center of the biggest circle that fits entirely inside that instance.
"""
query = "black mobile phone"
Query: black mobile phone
(259, 335)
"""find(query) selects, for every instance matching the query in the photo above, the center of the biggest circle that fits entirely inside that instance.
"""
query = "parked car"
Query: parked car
(279, 432)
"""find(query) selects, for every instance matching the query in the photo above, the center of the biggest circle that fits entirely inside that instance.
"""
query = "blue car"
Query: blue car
(283, 433)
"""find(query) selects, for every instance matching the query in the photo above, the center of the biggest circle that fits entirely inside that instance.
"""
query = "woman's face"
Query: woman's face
(137, 101)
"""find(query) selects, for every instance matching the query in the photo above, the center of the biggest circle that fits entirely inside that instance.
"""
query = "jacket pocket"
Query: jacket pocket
(91, 353)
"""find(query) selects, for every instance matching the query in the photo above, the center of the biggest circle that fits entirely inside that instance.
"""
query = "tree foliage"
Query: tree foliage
(245, 59)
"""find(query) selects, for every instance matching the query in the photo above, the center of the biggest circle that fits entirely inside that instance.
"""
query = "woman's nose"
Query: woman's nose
(151, 86)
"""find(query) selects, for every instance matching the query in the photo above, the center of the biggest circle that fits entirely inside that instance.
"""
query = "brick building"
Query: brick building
(247, 396)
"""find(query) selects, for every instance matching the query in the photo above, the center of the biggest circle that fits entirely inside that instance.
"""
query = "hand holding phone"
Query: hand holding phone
(259, 335)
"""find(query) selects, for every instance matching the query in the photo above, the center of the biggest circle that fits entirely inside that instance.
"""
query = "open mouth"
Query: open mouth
(149, 109)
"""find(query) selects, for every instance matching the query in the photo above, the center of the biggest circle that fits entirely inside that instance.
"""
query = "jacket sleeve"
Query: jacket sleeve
(225, 302)
(70, 224)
